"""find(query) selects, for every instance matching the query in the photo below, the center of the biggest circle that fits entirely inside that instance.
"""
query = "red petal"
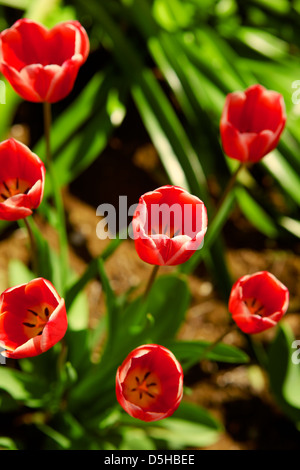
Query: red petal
(234, 146)
(21, 86)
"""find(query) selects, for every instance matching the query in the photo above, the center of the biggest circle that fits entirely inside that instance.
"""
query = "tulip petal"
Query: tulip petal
(233, 144)
(21, 86)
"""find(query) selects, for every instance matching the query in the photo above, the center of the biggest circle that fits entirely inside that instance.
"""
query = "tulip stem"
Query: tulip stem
(47, 128)
(229, 187)
(61, 222)
(33, 247)
(212, 346)
(151, 281)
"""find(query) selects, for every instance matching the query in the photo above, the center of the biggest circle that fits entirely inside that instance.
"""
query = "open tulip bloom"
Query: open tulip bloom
(149, 383)
(252, 123)
(258, 301)
(40, 64)
(169, 225)
(22, 178)
(32, 319)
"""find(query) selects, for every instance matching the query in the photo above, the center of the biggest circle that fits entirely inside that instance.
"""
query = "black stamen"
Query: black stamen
(133, 389)
(141, 395)
(6, 187)
(17, 183)
(47, 312)
(146, 375)
(253, 302)
(260, 309)
(30, 325)
(150, 394)
(137, 379)
(32, 311)
(151, 385)
(4, 197)
(26, 190)
(39, 334)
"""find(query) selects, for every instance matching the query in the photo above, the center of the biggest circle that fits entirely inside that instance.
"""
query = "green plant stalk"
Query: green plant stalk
(228, 189)
(34, 257)
(61, 225)
(216, 223)
(215, 343)
(151, 281)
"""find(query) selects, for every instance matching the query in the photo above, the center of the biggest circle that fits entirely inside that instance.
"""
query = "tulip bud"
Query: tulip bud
(149, 383)
(258, 301)
(32, 319)
(22, 179)
(252, 123)
(169, 225)
(40, 64)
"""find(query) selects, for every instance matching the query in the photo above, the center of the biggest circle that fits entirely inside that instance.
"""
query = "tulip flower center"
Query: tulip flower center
(168, 229)
(142, 387)
(255, 306)
(13, 186)
(36, 320)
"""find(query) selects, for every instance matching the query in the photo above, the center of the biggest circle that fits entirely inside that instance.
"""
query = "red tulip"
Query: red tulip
(22, 177)
(42, 64)
(169, 225)
(251, 123)
(149, 383)
(32, 319)
(258, 301)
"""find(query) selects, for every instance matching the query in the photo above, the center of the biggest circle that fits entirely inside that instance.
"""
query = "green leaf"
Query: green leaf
(135, 439)
(284, 174)
(156, 319)
(263, 42)
(18, 273)
(292, 225)
(284, 372)
(23, 387)
(78, 312)
(19, 4)
(168, 303)
(190, 426)
(6, 443)
(63, 441)
(79, 357)
(91, 272)
(190, 352)
(49, 263)
(112, 306)
(255, 213)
